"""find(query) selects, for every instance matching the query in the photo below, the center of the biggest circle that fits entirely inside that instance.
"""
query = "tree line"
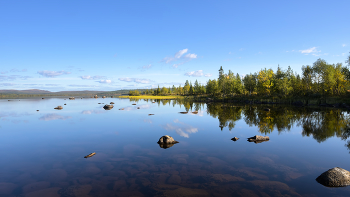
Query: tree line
(318, 79)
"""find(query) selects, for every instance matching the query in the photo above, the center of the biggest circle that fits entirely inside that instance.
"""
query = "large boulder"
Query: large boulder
(108, 107)
(166, 139)
(58, 107)
(335, 177)
(258, 139)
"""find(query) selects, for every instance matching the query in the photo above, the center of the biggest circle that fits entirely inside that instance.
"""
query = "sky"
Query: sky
(62, 45)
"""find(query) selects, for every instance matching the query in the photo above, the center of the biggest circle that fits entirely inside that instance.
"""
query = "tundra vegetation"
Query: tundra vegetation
(315, 81)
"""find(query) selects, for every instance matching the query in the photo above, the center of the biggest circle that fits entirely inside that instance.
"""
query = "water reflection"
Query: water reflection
(321, 124)
(53, 116)
(181, 128)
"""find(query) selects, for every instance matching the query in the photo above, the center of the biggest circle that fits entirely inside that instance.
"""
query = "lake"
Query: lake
(42, 152)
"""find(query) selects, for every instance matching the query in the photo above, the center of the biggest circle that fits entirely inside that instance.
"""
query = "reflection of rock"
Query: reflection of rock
(108, 107)
(195, 112)
(165, 146)
(58, 107)
(90, 155)
(335, 177)
(65, 104)
(150, 114)
(134, 104)
(183, 112)
(258, 139)
(235, 139)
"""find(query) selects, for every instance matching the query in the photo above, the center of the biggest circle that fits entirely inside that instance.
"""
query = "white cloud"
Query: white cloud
(197, 73)
(147, 66)
(191, 56)
(310, 50)
(344, 45)
(96, 77)
(105, 81)
(178, 56)
(47, 73)
(136, 80)
(180, 53)
(208, 75)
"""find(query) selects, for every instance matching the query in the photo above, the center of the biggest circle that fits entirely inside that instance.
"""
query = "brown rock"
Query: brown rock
(258, 139)
(235, 139)
(52, 192)
(59, 107)
(166, 139)
(174, 179)
(76, 190)
(6, 188)
(335, 177)
(35, 186)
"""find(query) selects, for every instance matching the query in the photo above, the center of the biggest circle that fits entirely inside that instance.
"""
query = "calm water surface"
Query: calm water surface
(42, 152)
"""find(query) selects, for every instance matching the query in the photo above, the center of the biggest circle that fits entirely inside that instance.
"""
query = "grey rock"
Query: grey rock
(166, 139)
(335, 177)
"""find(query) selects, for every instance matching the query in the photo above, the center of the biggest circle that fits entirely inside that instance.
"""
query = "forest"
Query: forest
(319, 79)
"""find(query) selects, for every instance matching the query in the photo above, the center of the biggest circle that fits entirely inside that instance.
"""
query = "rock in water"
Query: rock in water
(166, 139)
(58, 107)
(111, 103)
(90, 155)
(258, 139)
(71, 98)
(335, 177)
(107, 107)
(235, 139)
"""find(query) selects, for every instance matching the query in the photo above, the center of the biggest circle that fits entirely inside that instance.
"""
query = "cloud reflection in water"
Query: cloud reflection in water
(183, 129)
(54, 116)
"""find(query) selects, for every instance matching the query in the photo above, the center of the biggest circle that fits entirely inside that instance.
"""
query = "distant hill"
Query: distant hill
(43, 93)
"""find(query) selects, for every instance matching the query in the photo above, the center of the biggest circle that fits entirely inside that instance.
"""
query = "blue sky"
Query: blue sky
(61, 45)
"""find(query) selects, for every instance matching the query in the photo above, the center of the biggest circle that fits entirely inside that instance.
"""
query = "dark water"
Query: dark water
(42, 152)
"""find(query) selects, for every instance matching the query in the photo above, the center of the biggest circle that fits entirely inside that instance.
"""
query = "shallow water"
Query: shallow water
(43, 151)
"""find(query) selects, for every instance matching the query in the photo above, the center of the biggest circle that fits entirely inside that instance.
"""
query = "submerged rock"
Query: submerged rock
(107, 107)
(335, 177)
(235, 139)
(258, 139)
(166, 139)
(90, 155)
(58, 107)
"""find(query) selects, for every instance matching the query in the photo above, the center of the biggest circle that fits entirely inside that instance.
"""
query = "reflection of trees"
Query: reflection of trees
(320, 123)
(227, 114)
